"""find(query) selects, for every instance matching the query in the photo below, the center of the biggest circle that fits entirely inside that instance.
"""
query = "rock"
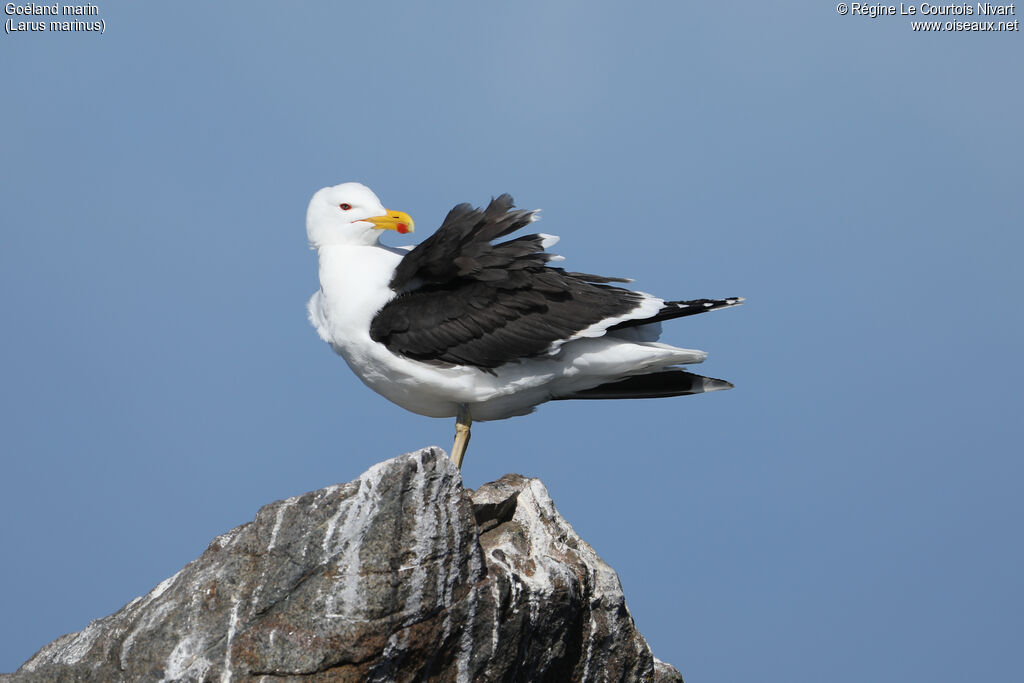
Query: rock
(400, 575)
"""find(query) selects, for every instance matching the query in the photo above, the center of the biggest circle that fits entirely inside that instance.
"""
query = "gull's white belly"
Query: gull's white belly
(354, 287)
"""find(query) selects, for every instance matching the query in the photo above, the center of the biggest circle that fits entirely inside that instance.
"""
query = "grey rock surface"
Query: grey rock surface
(400, 575)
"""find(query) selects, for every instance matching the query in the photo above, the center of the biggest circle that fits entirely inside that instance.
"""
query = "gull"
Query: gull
(463, 326)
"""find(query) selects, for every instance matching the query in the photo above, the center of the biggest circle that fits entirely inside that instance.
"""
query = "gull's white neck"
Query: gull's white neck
(354, 286)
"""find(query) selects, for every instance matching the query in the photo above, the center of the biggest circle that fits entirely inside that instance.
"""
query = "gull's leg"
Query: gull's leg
(462, 423)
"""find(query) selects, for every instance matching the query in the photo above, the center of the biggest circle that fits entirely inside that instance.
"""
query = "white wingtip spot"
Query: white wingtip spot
(548, 240)
(711, 384)
(554, 258)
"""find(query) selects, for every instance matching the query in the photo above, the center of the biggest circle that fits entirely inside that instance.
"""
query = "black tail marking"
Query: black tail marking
(681, 309)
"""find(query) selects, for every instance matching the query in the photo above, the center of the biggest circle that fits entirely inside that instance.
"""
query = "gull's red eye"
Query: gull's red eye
(345, 206)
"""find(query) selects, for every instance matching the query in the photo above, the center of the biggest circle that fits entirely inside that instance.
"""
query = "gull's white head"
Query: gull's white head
(350, 213)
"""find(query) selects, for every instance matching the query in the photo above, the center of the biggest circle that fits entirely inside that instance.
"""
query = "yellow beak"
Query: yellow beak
(398, 221)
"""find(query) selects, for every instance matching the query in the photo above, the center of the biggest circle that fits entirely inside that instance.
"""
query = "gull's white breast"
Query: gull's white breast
(354, 287)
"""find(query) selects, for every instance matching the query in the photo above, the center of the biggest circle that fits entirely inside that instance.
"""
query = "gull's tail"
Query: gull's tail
(654, 385)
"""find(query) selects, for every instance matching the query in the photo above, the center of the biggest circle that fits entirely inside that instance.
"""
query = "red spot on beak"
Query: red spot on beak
(402, 228)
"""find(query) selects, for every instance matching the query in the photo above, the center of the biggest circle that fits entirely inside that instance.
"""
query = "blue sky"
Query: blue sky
(850, 511)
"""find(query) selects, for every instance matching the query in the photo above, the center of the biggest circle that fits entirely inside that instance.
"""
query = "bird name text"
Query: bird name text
(28, 17)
